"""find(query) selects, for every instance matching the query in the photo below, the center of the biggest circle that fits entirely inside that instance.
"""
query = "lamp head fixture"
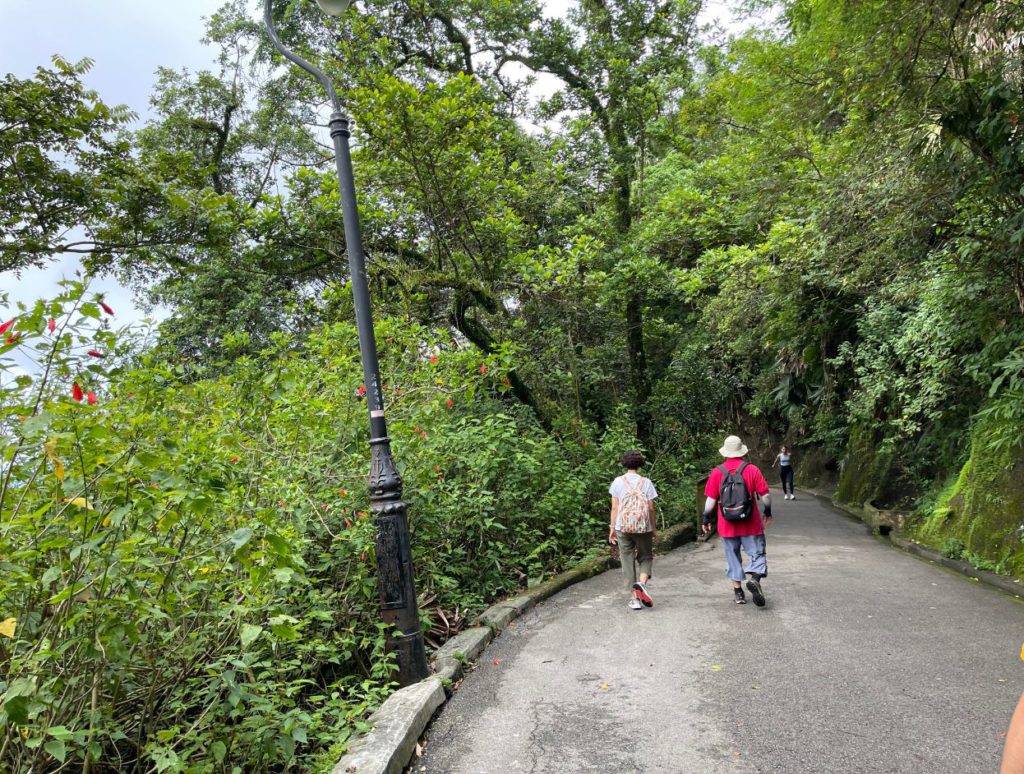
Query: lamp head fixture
(334, 7)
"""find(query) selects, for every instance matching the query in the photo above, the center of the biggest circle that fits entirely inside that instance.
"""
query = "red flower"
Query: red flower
(95, 353)
(362, 557)
(76, 392)
(440, 479)
(483, 369)
(107, 309)
(496, 661)
(424, 433)
(433, 358)
(153, 486)
(52, 325)
(506, 382)
(325, 506)
(361, 390)
(13, 339)
(348, 523)
(450, 403)
(437, 468)
(280, 503)
(92, 398)
(6, 325)
(416, 429)
(234, 459)
(343, 493)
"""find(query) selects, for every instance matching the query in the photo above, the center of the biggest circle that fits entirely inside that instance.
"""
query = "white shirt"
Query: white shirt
(618, 489)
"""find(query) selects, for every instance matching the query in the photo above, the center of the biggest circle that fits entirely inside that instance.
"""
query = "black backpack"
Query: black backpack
(734, 497)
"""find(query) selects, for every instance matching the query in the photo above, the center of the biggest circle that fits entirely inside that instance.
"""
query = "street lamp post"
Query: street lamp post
(395, 580)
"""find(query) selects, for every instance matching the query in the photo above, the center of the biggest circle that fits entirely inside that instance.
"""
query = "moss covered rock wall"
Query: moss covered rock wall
(979, 515)
(865, 470)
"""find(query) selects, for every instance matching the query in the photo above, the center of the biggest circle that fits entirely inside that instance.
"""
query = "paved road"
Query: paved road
(864, 660)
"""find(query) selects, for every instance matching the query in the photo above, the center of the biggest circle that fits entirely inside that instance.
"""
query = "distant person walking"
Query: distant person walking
(633, 527)
(732, 490)
(784, 459)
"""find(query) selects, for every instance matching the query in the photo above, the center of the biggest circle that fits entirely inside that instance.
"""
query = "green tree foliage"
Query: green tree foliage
(846, 192)
(58, 162)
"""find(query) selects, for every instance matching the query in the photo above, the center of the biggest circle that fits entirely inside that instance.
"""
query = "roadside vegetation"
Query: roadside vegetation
(809, 232)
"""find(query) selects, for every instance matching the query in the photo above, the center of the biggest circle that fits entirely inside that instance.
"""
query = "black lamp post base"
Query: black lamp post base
(395, 580)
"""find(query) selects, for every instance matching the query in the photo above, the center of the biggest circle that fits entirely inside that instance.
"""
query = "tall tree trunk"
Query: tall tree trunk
(635, 348)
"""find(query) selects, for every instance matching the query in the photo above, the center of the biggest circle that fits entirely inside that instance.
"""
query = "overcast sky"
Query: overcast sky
(128, 40)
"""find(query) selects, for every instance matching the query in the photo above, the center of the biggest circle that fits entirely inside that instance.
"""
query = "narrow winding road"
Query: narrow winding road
(864, 660)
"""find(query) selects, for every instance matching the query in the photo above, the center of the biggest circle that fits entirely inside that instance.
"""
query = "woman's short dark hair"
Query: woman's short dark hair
(632, 460)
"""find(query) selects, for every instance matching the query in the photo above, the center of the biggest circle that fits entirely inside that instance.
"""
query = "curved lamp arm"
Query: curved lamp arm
(268, 22)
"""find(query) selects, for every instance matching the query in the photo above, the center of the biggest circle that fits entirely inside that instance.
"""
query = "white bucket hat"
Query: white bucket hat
(733, 447)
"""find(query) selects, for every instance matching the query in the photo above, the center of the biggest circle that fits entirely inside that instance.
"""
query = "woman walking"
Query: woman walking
(632, 527)
(784, 459)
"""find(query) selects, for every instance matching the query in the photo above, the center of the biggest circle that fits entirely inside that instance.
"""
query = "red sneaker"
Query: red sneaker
(642, 595)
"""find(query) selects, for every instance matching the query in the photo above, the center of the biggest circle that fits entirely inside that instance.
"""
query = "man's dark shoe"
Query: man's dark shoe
(755, 591)
(741, 598)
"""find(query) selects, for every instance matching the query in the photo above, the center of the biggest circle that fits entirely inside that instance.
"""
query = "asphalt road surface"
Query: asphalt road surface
(865, 659)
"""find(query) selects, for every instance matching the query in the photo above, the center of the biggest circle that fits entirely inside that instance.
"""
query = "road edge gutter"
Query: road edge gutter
(1007, 585)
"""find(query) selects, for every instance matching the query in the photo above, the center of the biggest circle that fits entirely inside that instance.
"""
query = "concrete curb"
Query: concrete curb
(397, 726)
(674, 536)
(388, 747)
(465, 646)
(1008, 585)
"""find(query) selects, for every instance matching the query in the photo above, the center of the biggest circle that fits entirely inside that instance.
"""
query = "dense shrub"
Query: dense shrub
(186, 560)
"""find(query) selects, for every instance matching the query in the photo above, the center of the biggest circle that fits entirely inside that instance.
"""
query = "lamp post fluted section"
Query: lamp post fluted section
(395, 581)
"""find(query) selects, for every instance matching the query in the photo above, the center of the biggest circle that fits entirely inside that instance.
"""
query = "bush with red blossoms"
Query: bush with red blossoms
(171, 488)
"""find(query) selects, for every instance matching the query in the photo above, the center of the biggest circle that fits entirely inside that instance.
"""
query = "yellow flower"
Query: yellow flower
(50, 447)
(203, 570)
(7, 627)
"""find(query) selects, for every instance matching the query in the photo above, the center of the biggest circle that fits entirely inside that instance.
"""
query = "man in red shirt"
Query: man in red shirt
(739, 520)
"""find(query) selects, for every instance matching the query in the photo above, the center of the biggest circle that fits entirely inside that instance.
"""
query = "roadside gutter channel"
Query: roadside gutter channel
(887, 528)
